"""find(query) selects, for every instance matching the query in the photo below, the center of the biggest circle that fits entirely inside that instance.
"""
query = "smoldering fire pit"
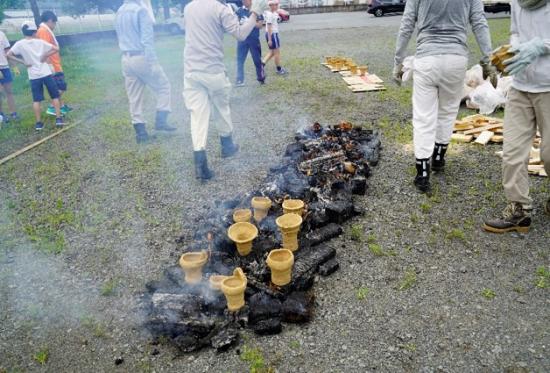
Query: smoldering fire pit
(324, 168)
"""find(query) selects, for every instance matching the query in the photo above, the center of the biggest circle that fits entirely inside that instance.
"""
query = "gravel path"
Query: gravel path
(421, 288)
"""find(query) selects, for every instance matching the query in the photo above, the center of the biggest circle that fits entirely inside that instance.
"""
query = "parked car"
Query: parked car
(381, 7)
(492, 6)
(284, 15)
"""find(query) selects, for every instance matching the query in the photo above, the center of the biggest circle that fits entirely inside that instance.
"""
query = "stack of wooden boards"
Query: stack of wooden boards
(357, 79)
(481, 129)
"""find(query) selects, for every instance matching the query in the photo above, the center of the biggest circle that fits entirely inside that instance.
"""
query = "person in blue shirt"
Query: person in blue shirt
(252, 44)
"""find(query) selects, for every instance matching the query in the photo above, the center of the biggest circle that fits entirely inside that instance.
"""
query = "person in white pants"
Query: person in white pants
(439, 71)
(206, 87)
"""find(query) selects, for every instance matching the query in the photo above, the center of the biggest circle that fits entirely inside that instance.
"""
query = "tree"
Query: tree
(8, 4)
(35, 11)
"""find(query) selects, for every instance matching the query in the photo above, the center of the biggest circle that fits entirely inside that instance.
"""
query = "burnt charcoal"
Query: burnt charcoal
(175, 274)
(215, 303)
(264, 244)
(268, 226)
(306, 264)
(163, 286)
(298, 307)
(119, 360)
(188, 342)
(229, 204)
(294, 150)
(172, 326)
(359, 185)
(267, 327)
(294, 183)
(329, 267)
(340, 211)
(262, 306)
(222, 243)
(176, 305)
(324, 234)
(224, 338)
(256, 286)
(318, 219)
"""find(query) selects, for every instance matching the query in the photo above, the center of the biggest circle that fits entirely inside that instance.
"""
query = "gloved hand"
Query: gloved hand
(398, 74)
(16, 70)
(259, 7)
(489, 71)
(525, 54)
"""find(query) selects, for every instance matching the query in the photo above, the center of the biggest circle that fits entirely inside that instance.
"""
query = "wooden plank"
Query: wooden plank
(372, 78)
(482, 129)
(497, 138)
(484, 137)
(366, 88)
(353, 80)
(461, 137)
(463, 126)
(543, 173)
(535, 168)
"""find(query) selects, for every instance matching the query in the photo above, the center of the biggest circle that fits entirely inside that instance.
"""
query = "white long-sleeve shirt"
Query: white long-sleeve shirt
(206, 22)
(527, 25)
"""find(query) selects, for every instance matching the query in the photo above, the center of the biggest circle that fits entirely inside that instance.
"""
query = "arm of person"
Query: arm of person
(147, 36)
(408, 23)
(230, 23)
(51, 50)
(480, 29)
(11, 56)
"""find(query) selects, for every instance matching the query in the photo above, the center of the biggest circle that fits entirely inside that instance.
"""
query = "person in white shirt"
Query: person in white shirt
(272, 36)
(527, 108)
(35, 54)
(6, 80)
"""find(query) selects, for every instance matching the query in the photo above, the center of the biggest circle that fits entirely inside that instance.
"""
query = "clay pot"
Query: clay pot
(192, 264)
(243, 234)
(289, 225)
(242, 216)
(293, 206)
(233, 288)
(215, 282)
(353, 69)
(261, 206)
(280, 262)
(362, 70)
(499, 56)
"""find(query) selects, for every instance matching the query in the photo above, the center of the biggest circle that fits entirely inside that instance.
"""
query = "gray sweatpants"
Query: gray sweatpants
(524, 112)
(138, 74)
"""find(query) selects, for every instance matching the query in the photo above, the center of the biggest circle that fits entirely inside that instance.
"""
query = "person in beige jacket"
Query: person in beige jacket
(140, 67)
(527, 109)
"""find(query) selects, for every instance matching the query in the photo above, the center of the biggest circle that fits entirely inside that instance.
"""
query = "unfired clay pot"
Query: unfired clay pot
(233, 288)
(362, 70)
(280, 262)
(215, 281)
(192, 264)
(293, 206)
(289, 225)
(243, 234)
(261, 206)
(242, 216)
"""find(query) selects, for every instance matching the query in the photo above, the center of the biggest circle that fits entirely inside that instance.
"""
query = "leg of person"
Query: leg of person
(450, 88)
(197, 101)
(269, 54)
(220, 92)
(37, 89)
(62, 87)
(520, 126)
(8, 88)
(256, 52)
(542, 111)
(51, 85)
(425, 105)
(135, 90)
(242, 52)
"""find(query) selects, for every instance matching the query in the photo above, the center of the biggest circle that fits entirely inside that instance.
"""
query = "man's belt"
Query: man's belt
(133, 53)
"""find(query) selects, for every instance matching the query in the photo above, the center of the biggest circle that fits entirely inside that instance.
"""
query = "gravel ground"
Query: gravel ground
(421, 287)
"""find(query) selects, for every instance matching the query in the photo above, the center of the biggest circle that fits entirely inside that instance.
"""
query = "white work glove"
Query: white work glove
(259, 7)
(525, 54)
(397, 74)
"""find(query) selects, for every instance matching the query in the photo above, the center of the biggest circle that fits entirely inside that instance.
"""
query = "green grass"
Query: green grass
(356, 232)
(42, 356)
(362, 292)
(109, 287)
(542, 278)
(488, 294)
(408, 281)
(456, 234)
(254, 357)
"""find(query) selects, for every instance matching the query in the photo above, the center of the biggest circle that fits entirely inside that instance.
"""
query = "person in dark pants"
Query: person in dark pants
(252, 44)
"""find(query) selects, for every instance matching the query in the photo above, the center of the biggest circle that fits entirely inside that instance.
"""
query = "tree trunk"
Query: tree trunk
(166, 7)
(35, 11)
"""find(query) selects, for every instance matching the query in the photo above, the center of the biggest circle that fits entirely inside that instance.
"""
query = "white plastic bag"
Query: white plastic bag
(504, 85)
(487, 98)
(474, 76)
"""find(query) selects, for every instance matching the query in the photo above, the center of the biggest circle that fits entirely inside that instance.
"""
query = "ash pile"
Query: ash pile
(325, 167)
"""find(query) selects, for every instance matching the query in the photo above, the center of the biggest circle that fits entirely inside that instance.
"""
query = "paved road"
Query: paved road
(346, 20)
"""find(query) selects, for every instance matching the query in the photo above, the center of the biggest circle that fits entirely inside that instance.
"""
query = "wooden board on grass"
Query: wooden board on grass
(497, 138)
(366, 88)
(484, 137)
(482, 129)
(461, 137)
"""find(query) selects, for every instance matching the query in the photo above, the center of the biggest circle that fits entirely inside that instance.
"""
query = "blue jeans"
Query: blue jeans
(255, 48)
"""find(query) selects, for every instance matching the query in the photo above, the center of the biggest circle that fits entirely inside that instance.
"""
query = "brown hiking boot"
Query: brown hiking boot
(514, 218)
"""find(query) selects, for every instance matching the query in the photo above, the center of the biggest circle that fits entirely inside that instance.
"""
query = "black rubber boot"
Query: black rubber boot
(514, 218)
(202, 172)
(141, 133)
(228, 147)
(438, 157)
(422, 179)
(161, 122)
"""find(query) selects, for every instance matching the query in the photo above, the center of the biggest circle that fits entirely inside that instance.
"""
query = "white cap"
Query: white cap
(272, 2)
(31, 26)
